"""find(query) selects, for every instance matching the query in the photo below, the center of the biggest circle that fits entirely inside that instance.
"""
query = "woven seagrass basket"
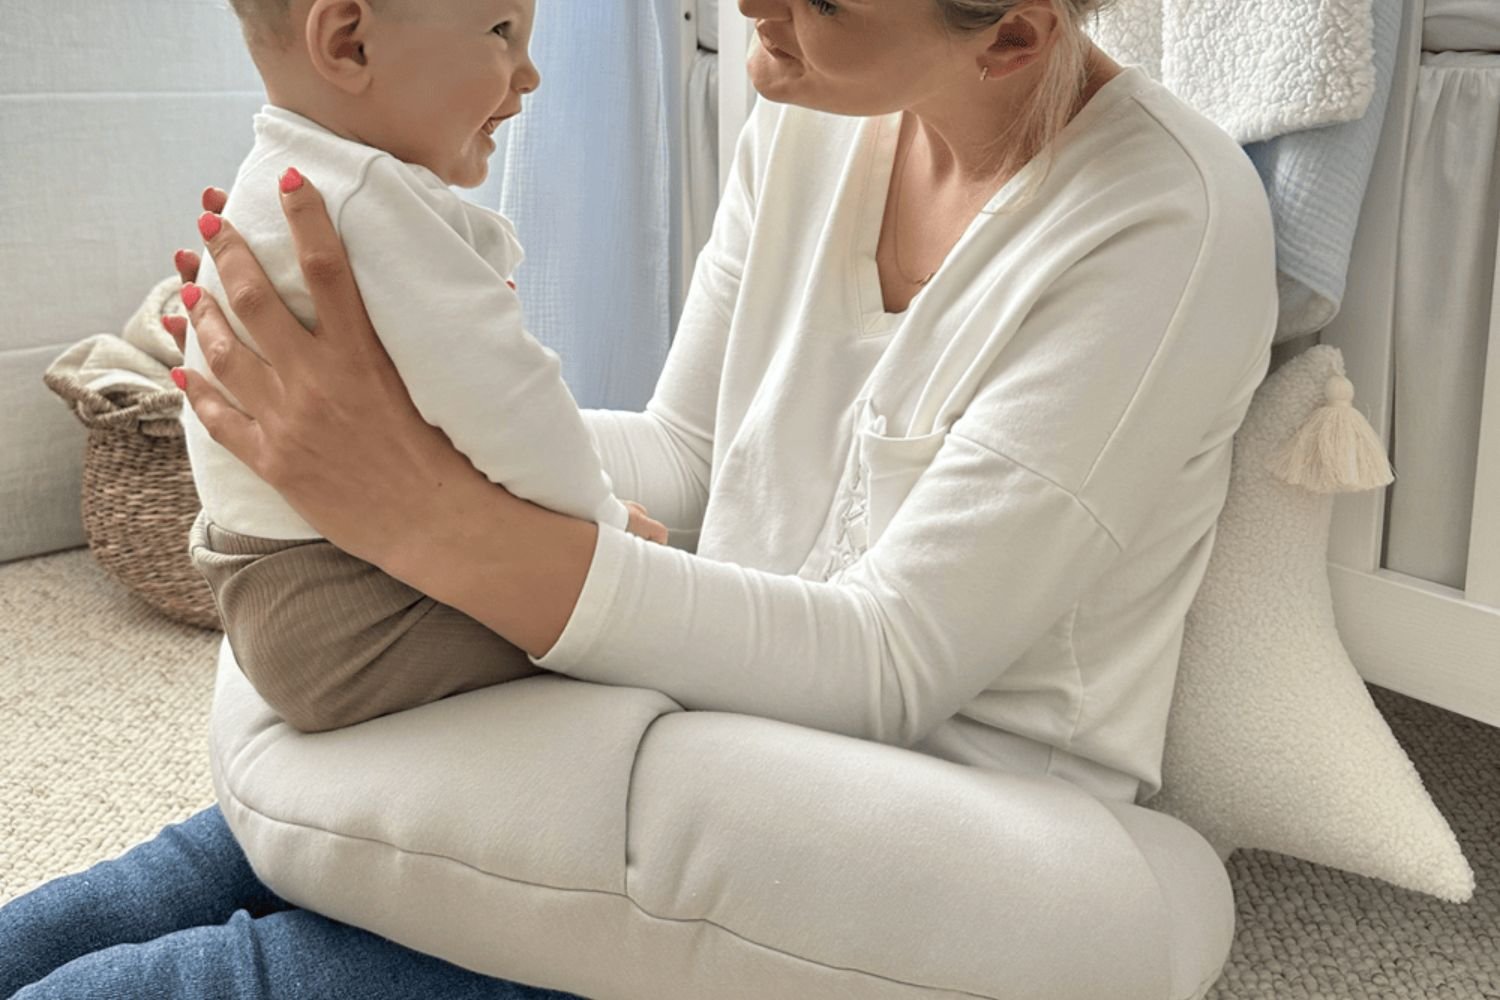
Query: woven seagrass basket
(138, 504)
(139, 500)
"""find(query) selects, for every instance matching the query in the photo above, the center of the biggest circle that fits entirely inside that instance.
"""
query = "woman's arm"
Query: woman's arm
(1073, 444)
(664, 456)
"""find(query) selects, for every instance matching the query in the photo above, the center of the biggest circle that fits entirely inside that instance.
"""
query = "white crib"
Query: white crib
(1415, 568)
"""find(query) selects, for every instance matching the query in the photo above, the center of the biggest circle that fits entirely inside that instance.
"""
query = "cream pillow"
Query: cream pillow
(1273, 741)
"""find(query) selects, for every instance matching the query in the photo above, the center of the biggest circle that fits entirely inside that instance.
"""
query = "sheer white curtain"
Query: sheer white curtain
(588, 175)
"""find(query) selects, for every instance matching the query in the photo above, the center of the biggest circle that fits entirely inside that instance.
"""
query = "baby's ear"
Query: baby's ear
(336, 35)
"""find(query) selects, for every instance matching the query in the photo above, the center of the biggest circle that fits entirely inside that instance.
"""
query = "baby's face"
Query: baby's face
(445, 74)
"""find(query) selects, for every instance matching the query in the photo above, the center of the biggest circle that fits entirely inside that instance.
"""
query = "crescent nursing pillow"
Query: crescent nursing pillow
(602, 841)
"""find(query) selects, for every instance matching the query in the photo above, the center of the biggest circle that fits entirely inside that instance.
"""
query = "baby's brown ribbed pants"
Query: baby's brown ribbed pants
(329, 640)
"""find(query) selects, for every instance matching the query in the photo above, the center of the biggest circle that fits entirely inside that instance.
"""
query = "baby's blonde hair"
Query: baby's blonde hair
(269, 22)
(1055, 97)
(265, 22)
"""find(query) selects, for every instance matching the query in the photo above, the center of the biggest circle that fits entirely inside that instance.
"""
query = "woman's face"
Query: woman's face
(855, 57)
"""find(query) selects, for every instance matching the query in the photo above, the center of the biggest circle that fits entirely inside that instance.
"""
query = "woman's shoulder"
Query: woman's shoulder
(1151, 148)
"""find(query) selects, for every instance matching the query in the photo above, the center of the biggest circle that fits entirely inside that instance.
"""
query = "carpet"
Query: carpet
(103, 740)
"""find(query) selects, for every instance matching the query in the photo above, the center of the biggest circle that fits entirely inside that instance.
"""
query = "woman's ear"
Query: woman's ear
(336, 33)
(1020, 39)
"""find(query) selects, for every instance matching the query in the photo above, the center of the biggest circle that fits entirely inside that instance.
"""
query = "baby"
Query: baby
(383, 104)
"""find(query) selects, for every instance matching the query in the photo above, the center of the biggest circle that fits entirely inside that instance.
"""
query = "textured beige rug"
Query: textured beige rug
(102, 741)
(104, 706)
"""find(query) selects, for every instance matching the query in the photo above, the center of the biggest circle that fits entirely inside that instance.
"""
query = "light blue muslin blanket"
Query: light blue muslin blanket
(1316, 181)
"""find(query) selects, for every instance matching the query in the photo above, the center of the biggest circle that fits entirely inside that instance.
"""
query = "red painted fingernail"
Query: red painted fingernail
(512, 284)
(190, 295)
(179, 378)
(180, 259)
(290, 181)
(209, 225)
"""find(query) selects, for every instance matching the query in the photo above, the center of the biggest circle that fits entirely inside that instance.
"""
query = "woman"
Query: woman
(951, 408)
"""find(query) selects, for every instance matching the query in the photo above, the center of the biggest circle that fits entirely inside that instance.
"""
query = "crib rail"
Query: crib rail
(1483, 582)
(1426, 640)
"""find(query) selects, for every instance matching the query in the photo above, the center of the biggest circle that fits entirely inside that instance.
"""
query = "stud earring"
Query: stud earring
(984, 73)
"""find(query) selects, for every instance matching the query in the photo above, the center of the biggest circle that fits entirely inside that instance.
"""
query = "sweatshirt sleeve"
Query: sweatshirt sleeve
(663, 458)
(455, 332)
(1014, 519)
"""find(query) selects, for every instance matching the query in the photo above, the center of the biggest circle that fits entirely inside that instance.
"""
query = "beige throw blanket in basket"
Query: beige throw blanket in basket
(125, 381)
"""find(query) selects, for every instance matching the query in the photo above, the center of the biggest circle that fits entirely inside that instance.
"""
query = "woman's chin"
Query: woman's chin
(772, 78)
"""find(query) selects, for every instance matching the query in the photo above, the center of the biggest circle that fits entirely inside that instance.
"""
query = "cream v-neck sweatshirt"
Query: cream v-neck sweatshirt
(973, 528)
(433, 271)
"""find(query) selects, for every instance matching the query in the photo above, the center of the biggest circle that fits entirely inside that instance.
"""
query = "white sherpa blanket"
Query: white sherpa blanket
(1257, 68)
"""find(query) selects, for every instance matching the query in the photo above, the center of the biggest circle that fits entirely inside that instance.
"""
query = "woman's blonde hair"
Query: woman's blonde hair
(1056, 96)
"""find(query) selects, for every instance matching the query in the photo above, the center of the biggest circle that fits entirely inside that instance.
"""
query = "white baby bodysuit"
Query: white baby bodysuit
(433, 270)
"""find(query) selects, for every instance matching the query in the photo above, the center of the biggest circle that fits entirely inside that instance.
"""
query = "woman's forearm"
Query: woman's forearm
(655, 462)
(513, 566)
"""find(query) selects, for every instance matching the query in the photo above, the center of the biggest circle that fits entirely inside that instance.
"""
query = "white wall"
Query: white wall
(113, 117)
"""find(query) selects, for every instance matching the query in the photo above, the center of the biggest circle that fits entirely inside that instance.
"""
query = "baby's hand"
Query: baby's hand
(642, 525)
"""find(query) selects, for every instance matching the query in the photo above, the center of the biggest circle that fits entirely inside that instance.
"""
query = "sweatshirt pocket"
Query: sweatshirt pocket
(880, 473)
(890, 467)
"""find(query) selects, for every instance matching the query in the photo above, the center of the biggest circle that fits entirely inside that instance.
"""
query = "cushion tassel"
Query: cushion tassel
(1336, 450)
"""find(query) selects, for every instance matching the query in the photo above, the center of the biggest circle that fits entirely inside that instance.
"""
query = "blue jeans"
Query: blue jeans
(183, 915)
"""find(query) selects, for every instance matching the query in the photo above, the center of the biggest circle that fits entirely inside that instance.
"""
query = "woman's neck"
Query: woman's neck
(956, 128)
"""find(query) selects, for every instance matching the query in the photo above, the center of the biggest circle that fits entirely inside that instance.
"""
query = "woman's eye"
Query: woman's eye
(502, 29)
(823, 7)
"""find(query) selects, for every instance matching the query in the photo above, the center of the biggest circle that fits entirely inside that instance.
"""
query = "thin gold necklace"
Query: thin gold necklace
(900, 174)
(896, 216)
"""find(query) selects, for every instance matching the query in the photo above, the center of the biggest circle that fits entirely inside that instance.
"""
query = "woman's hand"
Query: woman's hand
(326, 420)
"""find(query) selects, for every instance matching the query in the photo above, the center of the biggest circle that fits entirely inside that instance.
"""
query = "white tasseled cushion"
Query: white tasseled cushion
(1273, 741)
